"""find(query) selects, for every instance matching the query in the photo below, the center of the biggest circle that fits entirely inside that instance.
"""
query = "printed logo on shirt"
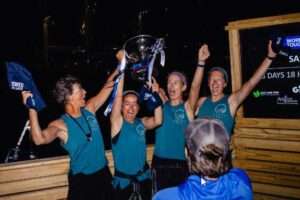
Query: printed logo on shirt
(92, 123)
(221, 111)
(140, 129)
(179, 116)
(220, 108)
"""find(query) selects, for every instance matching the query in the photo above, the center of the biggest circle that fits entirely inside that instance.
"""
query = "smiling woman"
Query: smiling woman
(132, 178)
(80, 135)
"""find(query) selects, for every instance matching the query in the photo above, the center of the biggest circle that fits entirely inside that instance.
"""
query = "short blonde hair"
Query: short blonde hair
(180, 75)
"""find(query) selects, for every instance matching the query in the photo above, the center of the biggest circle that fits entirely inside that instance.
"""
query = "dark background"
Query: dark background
(185, 25)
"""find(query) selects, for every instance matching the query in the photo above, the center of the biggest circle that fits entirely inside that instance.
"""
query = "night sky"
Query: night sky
(184, 25)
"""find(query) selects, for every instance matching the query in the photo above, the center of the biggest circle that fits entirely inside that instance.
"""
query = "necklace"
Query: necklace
(88, 135)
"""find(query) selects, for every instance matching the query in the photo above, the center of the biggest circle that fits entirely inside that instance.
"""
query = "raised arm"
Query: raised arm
(55, 129)
(116, 118)
(97, 101)
(94, 103)
(203, 54)
(156, 120)
(236, 98)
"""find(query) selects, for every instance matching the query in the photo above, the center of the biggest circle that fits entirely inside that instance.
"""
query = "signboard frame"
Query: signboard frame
(234, 29)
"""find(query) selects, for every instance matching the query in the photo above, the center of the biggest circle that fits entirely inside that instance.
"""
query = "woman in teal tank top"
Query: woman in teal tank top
(217, 110)
(224, 107)
(80, 135)
(169, 160)
(132, 174)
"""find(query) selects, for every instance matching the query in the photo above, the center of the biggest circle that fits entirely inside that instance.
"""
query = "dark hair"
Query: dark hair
(208, 145)
(219, 69)
(132, 92)
(64, 88)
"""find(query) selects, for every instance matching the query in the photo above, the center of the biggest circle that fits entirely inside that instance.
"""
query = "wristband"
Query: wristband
(201, 64)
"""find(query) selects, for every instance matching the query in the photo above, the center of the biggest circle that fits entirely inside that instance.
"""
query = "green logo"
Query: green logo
(256, 93)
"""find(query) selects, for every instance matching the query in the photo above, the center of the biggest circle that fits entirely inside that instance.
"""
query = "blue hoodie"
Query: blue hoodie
(234, 185)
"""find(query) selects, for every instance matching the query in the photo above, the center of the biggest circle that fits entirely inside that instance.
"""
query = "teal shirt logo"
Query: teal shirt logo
(140, 129)
(93, 123)
(179, 116)
(220, 108)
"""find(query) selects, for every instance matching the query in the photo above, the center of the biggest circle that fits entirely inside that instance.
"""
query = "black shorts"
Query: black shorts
(96, 186)
(168, 172)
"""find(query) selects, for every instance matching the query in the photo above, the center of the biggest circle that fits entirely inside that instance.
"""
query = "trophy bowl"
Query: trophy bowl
(139, 51)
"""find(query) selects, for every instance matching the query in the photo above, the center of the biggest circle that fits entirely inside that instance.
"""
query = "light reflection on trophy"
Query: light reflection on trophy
(141, 52)
(140, 55)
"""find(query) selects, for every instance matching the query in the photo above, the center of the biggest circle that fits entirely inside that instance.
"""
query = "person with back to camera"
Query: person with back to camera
(211, 176)
(169, 166)
(132, 178)
(80, 135)
(223, 107)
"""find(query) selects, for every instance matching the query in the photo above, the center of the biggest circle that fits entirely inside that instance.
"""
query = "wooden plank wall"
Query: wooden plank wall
(272, 159)
(42, 179)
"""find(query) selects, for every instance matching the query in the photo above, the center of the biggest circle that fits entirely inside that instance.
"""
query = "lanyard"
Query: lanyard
(88, 135)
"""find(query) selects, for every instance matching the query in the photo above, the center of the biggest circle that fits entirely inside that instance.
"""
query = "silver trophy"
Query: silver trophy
(141, 52)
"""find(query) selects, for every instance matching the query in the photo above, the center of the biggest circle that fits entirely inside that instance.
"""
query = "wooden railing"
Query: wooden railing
(40, 179)
(271, 158)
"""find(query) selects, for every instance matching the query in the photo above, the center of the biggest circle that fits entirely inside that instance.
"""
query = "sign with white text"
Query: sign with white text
(278, 93)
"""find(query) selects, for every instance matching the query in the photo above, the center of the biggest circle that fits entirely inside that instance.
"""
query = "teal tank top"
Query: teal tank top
(86, 156)
(129, 152)
(217, 110)
(169, 137)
